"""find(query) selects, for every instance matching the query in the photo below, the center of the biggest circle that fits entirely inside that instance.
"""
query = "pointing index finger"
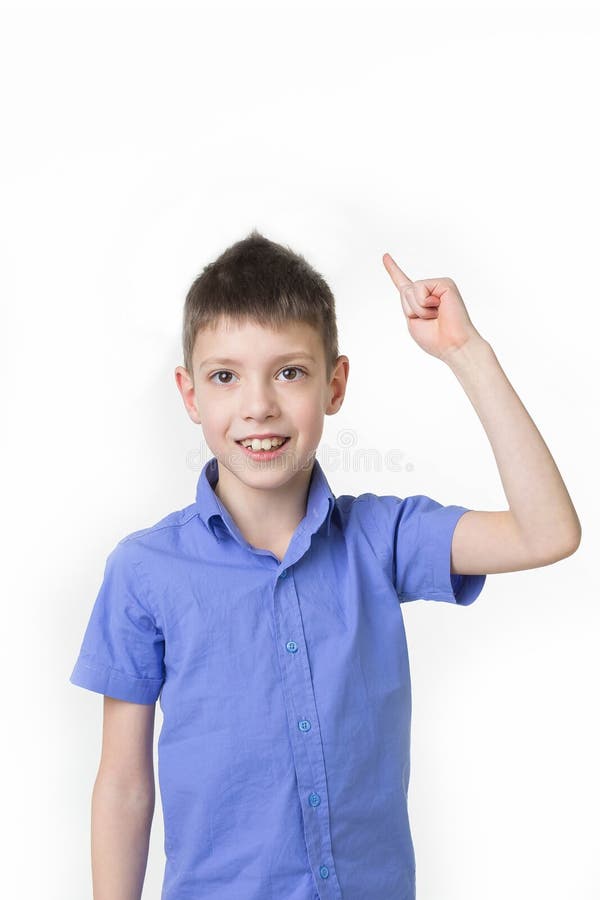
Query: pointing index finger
(395, 272)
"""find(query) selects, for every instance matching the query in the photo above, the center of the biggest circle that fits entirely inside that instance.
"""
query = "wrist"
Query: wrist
(473, 352)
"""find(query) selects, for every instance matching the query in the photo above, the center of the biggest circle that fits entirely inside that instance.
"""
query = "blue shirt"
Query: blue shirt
(283, 757)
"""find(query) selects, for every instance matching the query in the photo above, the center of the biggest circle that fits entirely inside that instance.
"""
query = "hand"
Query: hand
(436, 314)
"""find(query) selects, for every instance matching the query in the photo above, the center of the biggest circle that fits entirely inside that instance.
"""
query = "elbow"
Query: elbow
(574, 543)
(573, 539)
(569, 545)
(551, 552)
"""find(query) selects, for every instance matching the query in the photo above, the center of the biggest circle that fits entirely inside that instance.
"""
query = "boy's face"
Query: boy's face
(250, 379)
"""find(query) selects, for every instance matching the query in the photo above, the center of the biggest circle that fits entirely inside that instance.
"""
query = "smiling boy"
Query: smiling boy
(267, 614)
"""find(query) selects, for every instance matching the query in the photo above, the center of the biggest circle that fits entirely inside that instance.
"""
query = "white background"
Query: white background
(139, 141)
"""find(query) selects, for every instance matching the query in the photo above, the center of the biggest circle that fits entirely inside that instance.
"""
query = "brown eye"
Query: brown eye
(222, 372)
(292, 369)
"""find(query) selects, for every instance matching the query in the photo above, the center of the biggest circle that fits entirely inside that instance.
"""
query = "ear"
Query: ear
(185, 385)
(337, 387)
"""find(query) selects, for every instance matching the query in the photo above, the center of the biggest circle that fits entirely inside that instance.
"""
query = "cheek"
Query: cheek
(214, 423)
(309, 421)
(304, 411)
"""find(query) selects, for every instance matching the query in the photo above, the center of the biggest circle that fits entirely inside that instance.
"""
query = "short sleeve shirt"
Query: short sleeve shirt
(284, 751)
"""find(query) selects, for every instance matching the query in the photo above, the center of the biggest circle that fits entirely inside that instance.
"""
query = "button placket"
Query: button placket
(306, 740)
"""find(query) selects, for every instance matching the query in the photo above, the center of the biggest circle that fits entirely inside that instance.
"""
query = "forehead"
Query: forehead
(249, 342)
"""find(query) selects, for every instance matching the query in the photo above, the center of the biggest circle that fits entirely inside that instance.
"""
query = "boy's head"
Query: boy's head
(261, 356)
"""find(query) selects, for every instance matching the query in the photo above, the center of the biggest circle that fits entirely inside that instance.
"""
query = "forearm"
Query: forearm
(535, 491)
(121, 823)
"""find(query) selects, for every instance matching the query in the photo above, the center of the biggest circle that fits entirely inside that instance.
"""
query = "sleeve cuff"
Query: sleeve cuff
(449, 587)
(105, 680)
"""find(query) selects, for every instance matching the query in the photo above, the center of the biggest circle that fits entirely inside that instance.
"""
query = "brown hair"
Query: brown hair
(256, 279)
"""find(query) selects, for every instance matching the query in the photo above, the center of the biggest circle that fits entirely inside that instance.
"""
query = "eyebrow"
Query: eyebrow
(220, 360)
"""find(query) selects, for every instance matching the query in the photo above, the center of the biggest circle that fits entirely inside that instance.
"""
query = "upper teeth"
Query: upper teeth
(265, 444)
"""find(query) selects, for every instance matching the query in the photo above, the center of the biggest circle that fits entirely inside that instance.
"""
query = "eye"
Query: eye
(221, 372)
(293, 369)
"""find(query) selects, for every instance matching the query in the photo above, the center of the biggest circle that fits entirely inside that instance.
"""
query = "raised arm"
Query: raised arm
(541, 525)
(123, 801)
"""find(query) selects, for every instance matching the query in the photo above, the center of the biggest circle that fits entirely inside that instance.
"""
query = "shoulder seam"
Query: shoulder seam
(136, 565)
(382, 537)
(156, 528)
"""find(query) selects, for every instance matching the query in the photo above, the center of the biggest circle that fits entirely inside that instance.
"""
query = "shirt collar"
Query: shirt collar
(319, 506)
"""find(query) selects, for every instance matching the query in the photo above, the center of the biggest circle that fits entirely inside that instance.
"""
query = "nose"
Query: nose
(259, 401)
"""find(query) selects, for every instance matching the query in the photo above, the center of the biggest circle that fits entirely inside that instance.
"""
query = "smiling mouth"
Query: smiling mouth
(279, 446)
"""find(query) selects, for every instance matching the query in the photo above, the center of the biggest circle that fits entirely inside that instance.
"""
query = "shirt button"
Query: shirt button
(291, 647)
(304, 725)
(324, 872)
(314, 799)
(283, 573)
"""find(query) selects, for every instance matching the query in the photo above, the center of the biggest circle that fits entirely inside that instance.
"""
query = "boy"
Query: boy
(267, 614)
